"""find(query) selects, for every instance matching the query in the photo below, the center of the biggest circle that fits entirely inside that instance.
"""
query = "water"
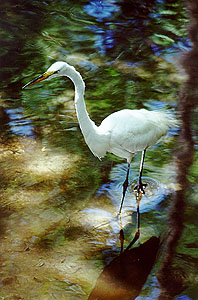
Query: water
(59, 204)
(18, 125)
(155, 191)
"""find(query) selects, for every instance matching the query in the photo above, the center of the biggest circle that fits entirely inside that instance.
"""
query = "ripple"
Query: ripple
(155, 191)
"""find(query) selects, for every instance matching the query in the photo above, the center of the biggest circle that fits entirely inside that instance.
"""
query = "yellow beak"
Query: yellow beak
(38, 79)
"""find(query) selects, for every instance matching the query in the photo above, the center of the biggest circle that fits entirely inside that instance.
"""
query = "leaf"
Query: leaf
(162, 39)
(171, 28)
(167, 12)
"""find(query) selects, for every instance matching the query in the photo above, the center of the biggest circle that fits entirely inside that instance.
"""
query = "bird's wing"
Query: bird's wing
(134, 130)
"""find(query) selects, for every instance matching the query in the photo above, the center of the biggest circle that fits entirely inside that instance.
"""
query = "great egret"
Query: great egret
(122, 133)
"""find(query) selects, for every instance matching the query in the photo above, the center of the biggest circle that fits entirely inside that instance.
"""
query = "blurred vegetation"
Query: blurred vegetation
(124, 50)
(35, 33)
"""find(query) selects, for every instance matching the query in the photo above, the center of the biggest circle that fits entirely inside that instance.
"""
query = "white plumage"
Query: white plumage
(131, 131)
(122, 133)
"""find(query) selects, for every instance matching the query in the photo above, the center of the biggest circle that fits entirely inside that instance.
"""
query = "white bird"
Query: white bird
(122, 133)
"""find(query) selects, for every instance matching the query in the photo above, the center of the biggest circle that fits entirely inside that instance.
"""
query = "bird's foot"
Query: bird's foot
(140, 188)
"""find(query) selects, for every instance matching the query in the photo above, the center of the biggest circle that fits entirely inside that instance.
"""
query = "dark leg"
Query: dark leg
(137, 234)
(125, 185)
(140, 191)
(140, 187)
(121, 240)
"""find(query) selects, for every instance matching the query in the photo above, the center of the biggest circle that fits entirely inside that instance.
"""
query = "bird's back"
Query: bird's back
(131, 131)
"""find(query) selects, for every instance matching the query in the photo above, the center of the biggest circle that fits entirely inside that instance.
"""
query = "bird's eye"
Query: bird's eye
(56, 72)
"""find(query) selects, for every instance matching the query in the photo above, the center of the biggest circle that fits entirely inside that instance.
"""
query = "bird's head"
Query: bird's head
(57, 69)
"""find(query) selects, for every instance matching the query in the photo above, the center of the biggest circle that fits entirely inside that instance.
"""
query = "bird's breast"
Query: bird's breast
(98, 142)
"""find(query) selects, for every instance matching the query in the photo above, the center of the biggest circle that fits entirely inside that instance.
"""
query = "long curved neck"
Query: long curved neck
(86, 124)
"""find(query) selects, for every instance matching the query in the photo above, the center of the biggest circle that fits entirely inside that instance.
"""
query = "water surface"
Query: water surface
(59, 204)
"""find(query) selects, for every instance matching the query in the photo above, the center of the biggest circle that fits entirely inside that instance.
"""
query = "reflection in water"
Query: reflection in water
(124, 277)
(43, 189)
(172, 279)
(155, 191)
(101, 9)
(19, 125)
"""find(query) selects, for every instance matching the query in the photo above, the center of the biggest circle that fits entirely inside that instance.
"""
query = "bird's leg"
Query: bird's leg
(121, 240)
(140, 187)
(139, 192)
(137, 234)
(125, 185)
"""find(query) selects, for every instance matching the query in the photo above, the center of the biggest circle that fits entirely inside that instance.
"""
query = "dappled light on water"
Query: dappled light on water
(155, 192)
(61, 236)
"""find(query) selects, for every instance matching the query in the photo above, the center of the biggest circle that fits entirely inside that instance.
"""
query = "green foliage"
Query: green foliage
(193, 171)
(161, 39)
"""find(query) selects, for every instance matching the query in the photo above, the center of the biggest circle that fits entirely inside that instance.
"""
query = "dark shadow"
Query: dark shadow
(125, 276)
(172, 279)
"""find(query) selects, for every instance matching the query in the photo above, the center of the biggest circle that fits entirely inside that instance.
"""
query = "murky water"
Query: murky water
(59, 204)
